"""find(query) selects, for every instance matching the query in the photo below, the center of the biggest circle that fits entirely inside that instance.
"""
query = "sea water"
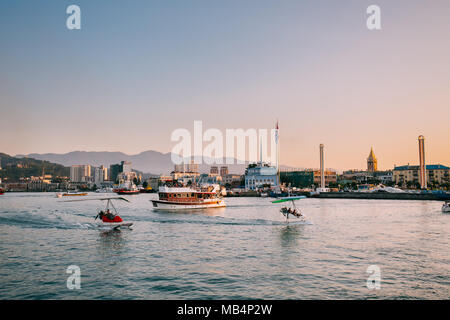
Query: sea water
(243, 251)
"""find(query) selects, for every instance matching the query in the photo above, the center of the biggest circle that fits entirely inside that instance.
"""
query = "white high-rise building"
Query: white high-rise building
(100, 174)
(80, 173)
(126, 166)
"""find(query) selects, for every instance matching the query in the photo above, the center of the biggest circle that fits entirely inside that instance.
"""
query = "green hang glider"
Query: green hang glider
(286, 199)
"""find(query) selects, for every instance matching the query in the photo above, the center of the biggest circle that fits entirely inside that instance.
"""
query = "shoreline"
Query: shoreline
(326, 195)
(361, 195)
(382, 196)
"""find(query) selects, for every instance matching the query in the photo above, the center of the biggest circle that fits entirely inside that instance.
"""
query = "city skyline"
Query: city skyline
(314, 167)
(313, 65)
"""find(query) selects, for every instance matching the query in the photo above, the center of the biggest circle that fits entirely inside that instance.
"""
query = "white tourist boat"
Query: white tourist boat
(171, 198)
(446, 206)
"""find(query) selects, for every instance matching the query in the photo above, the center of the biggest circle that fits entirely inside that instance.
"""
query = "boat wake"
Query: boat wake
(60, 219)
(49, 220)
(248, 205)
(216, 220)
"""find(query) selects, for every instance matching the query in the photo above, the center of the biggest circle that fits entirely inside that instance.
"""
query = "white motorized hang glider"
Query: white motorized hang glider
(290, 211)
(109, 219)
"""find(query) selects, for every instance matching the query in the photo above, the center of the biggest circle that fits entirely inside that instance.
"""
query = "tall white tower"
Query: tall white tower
(277, 140)
(422, 166)
(322, 169)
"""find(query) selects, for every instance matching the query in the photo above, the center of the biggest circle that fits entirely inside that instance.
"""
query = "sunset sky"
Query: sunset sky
(137, 70)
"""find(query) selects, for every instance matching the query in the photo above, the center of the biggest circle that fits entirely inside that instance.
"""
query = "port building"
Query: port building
(260, 175)
(435, 174)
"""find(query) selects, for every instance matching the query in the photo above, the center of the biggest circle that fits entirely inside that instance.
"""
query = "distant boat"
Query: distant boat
(382, 188)
(74, 194)
(146, 190)
(127, 188)
(446, 206)
(125, 191)
(104, 190)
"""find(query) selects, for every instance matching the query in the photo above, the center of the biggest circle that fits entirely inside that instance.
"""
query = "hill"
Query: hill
(14, 168)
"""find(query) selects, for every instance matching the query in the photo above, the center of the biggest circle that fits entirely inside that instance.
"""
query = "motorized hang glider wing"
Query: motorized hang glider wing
(101, 199)
(286, 199)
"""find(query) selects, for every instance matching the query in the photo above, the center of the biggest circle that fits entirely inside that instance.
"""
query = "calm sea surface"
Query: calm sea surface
(241, 252)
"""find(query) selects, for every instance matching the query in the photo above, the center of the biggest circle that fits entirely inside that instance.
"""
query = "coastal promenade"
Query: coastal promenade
(383, 195)
(438, 196)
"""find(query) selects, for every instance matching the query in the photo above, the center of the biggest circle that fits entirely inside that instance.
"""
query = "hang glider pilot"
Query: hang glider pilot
(108, 216)
(294, 212)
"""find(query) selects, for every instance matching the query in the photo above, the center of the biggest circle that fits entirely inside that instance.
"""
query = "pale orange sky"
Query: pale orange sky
(126, 82)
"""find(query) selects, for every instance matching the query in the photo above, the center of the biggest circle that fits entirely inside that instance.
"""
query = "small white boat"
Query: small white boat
(70, 194)
(104, 190)
(446, 206)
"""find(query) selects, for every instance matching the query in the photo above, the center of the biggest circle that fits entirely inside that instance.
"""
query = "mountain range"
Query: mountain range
(151, 162)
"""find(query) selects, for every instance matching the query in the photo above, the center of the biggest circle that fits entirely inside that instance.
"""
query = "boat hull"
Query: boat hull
(166, 205)
(124, 192)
